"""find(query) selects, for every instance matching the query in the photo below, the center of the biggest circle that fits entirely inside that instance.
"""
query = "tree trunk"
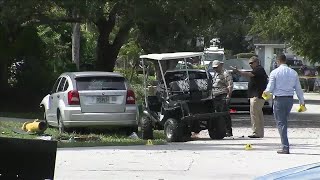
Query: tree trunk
(105, 56)
(107, 53)
(76, 42)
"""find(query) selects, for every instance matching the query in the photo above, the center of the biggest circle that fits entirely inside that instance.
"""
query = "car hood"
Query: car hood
(309, 171)
(240, 85)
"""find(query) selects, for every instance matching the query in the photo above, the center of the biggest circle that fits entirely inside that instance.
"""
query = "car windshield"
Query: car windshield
(239, 78)
(100, 83)
(241, 63)
(213, 56)
(291, 62)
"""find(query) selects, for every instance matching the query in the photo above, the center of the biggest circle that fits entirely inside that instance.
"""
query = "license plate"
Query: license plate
(103, 100)
(106, 99)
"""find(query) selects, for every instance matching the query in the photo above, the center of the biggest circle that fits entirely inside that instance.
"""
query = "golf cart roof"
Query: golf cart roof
(169, 56)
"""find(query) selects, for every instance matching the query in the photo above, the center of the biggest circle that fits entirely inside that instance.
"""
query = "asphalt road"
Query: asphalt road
(203, 158)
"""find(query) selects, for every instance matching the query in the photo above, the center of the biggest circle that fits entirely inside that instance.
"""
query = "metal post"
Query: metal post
(144, 84)
(164, 80)
(185, 63)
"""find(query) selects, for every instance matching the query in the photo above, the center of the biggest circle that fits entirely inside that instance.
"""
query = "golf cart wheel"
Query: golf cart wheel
(146, 128)
(218, 129)
(172, 130)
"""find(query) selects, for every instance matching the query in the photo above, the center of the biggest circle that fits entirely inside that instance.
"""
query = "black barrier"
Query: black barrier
(27, 159)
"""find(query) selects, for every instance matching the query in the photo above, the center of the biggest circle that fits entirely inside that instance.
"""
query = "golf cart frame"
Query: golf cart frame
(181, 106)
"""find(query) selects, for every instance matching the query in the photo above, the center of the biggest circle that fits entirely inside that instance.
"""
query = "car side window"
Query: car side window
(66, 85)
(61, 84)
(55, 85)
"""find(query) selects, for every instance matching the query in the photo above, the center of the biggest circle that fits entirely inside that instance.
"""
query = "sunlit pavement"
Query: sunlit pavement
(203, 158)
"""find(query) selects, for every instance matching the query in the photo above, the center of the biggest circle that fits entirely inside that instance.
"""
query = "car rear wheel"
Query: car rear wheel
(173, 131)
(44, 117)
(60, 124)
(146, 128)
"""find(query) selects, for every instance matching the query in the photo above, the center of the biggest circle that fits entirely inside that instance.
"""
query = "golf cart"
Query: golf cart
(182, 102)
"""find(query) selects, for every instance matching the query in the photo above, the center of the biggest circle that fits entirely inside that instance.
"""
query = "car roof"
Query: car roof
(91, 73)
(171, 56)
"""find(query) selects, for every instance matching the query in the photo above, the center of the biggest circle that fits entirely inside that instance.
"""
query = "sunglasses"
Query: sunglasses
(251, 63)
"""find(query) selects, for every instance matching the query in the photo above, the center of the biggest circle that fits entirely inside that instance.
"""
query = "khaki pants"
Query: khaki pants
(256, 114)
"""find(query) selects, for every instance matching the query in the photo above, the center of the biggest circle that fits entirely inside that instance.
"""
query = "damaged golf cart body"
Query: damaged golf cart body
(181, 103)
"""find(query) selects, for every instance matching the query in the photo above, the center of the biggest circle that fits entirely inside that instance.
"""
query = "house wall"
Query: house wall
(266, 54)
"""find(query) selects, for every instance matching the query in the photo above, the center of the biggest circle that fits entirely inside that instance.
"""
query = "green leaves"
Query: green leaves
(296, 22)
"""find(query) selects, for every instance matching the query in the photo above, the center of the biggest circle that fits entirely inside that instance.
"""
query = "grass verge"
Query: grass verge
(82, 139)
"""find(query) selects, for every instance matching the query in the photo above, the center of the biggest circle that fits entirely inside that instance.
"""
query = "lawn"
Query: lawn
(79, 139)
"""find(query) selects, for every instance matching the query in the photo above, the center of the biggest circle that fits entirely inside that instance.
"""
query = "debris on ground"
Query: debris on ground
(46, 138)
(36, 126)
(134, 136)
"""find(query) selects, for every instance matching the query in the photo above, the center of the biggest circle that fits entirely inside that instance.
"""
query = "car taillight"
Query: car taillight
(130, 97)
(73, 97)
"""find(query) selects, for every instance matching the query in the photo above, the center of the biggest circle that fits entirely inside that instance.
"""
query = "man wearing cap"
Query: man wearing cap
(257, 84)
(222, 85)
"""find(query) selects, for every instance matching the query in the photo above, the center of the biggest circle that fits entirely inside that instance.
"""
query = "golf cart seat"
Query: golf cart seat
(195, 89)
(154, 103)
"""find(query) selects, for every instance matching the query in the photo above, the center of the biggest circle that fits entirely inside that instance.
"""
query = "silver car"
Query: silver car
(91, 99)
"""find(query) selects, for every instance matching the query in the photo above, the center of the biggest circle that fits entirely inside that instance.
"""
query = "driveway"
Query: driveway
(203, 158)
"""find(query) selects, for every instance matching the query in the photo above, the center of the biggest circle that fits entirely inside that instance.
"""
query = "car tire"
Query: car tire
(61, 127)
(173, 131)
(146, 128)
(268, 111)
(217, 129)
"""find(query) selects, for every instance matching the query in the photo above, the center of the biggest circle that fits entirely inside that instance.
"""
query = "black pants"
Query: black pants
(222, 105)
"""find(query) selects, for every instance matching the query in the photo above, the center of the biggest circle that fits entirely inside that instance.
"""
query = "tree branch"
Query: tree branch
(47, 20)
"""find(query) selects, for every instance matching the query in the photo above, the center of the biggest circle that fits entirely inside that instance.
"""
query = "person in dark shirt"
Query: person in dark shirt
(257, 84)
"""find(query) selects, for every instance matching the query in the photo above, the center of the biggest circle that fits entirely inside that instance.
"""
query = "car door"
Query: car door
(57, 97)
(51, 111)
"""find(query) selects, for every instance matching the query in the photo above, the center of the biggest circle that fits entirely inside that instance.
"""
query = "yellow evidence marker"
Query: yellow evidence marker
(149, 142)
(248, 147)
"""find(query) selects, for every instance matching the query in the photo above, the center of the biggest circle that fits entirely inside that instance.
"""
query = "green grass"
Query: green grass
(94, 138)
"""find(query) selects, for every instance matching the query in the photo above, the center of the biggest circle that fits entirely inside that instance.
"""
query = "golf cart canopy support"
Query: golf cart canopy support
(170, 56)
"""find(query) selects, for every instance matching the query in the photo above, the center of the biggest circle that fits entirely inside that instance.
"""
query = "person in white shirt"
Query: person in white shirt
(283, 82)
